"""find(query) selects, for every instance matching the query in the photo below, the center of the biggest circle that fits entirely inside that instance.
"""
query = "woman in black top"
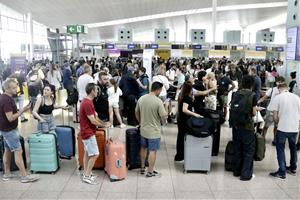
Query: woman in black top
(185, 105)
(43, 109)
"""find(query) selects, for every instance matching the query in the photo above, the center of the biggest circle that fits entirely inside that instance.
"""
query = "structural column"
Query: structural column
(214, 20)
(30, 36)
(186, 29)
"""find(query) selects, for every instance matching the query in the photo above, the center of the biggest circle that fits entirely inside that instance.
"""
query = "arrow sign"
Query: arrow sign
(74, 29)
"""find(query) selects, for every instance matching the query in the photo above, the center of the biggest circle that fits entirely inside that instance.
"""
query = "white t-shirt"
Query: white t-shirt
(288, 106)
(82, 82)
(274, 93)
(113, 97)
(164, 81)
(171, 74)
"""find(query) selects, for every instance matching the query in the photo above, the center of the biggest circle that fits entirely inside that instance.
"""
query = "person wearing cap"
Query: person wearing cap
(270, 94)
(286, 113)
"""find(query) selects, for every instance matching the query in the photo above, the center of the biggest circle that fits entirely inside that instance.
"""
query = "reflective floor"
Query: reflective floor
(174, 184)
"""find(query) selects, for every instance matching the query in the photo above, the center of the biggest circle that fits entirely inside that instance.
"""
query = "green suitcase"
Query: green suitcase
(43, 152)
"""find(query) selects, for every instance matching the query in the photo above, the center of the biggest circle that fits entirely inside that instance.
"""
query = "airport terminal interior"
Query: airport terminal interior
(213, 79)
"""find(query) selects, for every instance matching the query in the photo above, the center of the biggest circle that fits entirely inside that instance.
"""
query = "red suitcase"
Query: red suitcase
(115, 159)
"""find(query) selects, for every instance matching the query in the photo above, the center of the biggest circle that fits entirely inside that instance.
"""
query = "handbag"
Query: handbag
(260, 147)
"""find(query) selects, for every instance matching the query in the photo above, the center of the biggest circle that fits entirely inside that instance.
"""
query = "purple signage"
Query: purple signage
(18, 64)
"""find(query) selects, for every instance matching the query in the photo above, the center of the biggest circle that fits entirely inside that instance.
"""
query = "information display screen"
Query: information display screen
(291, 43)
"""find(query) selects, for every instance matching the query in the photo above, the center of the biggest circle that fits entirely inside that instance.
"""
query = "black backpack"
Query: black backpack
(240, 108)
(72, 97)
(200, 127)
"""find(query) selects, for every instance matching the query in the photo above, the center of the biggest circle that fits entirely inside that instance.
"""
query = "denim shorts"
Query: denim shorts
(91, 146)
(150, 144)
(11, 139)
(47, 126)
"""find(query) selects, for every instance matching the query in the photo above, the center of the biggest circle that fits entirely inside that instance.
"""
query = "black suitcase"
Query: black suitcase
(13, 166)
(133, 145)
(215, 115)
(229, 157)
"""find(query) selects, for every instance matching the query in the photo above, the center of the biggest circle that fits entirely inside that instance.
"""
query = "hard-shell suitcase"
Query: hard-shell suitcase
(100, 137)
(66, 140)
(13, 166)
(197, 153)
(229, 157)
(115, 159)
(43, 152)
(133, 145)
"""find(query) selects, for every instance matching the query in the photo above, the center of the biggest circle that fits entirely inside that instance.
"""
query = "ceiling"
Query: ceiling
(59, 13)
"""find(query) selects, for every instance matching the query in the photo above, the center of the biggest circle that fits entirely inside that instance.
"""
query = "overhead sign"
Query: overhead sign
(110, 46)
(154, 46)
(131, 46)
(74, 29)
(197, 46)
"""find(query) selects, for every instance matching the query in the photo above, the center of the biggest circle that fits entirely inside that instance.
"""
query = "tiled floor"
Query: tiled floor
(174, 184)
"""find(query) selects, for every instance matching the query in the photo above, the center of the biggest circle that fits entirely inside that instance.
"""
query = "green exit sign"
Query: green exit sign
(73, 29)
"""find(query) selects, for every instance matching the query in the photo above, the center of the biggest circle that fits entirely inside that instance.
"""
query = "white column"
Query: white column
(186, 29)
(30, 36)
(214, 19)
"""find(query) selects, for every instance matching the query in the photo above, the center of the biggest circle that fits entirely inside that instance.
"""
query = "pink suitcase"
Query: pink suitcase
(115, 159)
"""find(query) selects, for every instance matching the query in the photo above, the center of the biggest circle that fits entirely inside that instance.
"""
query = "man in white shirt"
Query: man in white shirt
(286, 108)
(270, 94)
(83, 80)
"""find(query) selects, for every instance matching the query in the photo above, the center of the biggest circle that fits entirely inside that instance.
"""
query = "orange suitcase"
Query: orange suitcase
(115, 159)
(100, 137)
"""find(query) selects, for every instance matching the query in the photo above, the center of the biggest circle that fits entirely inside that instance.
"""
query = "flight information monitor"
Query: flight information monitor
(291, 43)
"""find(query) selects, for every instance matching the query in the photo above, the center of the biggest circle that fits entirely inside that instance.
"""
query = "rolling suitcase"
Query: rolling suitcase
(43, 152)
(66, 140)
(100, 137)
(115, 159)
(13, 166)
(133, 145)
(229, 157)
(215, 115)
(197, 153)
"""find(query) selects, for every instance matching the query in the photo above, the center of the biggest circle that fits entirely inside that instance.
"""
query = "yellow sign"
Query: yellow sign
(218, 53)
(187, 53)
(255, 54)
(163, 53)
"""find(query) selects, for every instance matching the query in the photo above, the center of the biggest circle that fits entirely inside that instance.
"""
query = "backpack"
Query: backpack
(240, 106)
(200, 127)
(72, 97)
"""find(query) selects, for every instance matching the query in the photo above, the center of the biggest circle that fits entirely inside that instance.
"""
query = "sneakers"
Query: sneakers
(7, 177)
(29, 178)
(290, 171)
(277, 175)
(93, 176)
(89, 180)
(153, 174)
(143, 171)
(123, 126)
